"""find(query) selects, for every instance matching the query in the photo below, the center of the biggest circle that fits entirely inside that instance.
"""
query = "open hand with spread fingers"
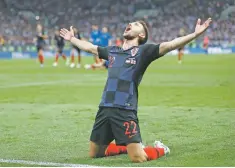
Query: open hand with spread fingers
(201, 28)
(66, 34)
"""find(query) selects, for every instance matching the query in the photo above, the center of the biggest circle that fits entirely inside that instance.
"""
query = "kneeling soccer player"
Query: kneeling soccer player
(117, 118)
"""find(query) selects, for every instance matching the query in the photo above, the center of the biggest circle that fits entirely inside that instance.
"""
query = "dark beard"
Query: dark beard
(128, 37)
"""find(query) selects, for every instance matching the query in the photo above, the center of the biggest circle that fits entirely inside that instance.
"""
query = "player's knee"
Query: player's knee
(93, 150)
(96, 151)
(94, 155)
(39, 51)
(138, 159)
(136, 153)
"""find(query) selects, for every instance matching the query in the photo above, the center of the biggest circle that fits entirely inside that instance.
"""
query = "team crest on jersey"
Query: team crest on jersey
(111, 61)
(134, 51)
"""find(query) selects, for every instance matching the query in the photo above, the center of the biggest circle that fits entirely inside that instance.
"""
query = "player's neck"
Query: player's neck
(129, 43)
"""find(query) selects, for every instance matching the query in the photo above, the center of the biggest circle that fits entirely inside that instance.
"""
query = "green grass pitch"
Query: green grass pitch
(46, 114)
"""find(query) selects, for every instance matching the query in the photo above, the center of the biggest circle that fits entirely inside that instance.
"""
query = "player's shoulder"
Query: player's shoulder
(149, 46)
(114, 48)
(150, 51)
(111, 49)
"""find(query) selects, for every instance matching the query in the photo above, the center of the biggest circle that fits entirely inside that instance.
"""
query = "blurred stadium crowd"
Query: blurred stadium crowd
(166, 18)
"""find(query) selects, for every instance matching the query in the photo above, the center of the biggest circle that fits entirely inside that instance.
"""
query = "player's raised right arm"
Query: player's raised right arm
(83, 45)
(165, 47)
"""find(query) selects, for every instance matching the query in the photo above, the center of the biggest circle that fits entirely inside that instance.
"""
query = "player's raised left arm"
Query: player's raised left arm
(83, 45)
(166, 47)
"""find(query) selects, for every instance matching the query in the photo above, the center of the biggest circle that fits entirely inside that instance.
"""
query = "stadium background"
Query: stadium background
(165, 18)
(46, 114)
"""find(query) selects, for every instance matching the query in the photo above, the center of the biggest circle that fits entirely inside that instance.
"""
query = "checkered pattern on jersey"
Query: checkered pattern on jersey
(119, 90)
(126, 69)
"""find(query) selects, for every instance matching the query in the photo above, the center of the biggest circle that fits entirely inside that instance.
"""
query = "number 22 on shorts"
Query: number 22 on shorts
(130, 128)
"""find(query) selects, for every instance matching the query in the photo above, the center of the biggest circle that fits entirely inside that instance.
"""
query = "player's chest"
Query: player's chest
(124, 59)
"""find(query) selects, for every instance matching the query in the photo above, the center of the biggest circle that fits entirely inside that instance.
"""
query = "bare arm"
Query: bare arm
(83, 45)
(166, 47)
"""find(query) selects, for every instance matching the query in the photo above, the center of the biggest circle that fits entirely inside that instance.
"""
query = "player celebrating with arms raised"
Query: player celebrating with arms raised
(117, 115)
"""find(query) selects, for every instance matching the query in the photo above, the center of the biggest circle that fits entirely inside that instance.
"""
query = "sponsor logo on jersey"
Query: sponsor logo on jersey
(131, 61)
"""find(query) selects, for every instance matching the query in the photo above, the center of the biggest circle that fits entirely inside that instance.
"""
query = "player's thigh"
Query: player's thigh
(78, 52)
(125, 127)
(40, 50)
(181, 50)
(205, 46)
(136, 153)
(101, 134)
(60, 50)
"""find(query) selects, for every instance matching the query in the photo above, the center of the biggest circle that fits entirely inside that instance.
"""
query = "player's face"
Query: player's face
(94, 27)
(104, 30)
(133, 30)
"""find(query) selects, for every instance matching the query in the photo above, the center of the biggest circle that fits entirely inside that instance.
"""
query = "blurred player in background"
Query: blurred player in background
(105, 37)
(60, 47)
(105, 41)
(75, 51)
(40, 43)
(181, 49)
(180, 54)
(118, 42)
(2, 41)
(95, 39)
(206, 44)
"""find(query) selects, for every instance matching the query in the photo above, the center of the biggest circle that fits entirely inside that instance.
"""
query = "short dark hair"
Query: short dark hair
(145, 39)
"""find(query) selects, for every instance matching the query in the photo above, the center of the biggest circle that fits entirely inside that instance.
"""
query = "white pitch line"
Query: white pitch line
(96, 106)
(25, 162)
(50, 83)
(35, 84)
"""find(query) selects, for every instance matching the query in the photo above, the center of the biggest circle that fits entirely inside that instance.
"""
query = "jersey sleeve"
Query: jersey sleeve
(103, 52)
(151, 52)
